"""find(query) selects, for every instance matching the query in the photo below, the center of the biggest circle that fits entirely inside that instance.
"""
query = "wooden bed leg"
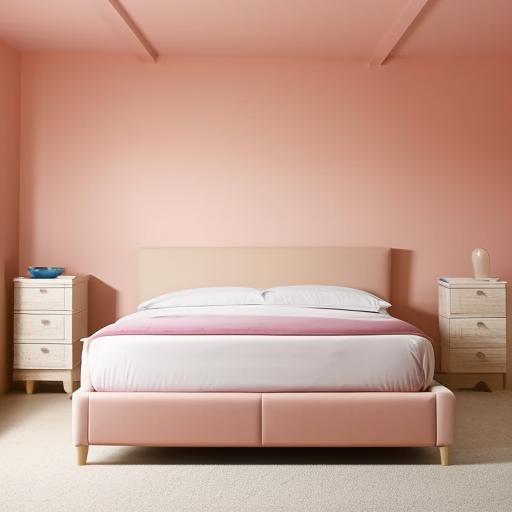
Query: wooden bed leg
(81, 455)
(444, 451)
(29, 387)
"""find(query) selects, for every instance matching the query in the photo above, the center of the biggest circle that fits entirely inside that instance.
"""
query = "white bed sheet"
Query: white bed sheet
(255, 363)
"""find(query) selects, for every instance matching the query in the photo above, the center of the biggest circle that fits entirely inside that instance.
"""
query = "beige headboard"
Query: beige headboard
(166, 269)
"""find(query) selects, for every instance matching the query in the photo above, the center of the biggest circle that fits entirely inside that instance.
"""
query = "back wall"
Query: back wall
(117, 155)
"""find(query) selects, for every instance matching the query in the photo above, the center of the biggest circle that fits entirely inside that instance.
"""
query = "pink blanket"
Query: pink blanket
(262, 325)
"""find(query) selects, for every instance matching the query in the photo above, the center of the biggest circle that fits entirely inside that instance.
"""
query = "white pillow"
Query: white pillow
(332, 297)
(213, 296)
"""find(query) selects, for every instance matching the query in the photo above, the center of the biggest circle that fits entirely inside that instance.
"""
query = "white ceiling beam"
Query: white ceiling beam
(149, 50)
(125, 28)
(393, 36)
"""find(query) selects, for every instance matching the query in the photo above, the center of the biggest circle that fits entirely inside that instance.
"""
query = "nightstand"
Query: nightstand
(50, 317)
(473, 325)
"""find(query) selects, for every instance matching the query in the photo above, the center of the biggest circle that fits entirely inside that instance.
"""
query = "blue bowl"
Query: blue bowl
(45, 272)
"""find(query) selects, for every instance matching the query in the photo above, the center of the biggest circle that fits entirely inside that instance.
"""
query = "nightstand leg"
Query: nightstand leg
(68, 386)
(29, 386)
(81, 455)
(444, 451)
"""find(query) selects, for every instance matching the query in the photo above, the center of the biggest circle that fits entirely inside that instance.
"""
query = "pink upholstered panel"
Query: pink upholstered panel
(175, 419)
(445, 415)
(276, 419)
(80, 412)
(349, 419)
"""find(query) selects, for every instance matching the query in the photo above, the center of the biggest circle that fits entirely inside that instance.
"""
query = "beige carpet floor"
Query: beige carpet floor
(38, 471)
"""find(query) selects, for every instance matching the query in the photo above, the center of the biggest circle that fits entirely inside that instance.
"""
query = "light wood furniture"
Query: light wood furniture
(50, 317)
(263, 419)
(81, 455)
(444, 452)
(473, 325)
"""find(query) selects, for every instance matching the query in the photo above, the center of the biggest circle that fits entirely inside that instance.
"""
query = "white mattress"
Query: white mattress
(257, 363)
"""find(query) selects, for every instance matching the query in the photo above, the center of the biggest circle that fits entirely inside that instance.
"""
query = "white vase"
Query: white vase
(481, 263)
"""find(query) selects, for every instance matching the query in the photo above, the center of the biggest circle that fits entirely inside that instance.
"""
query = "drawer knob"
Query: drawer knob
(44, 350)
(480, 293)
(480, 355)
(481, 325)
(43, 290)
(44, 321)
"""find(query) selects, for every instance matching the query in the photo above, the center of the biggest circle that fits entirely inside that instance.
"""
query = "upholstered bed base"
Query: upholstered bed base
(264, 419)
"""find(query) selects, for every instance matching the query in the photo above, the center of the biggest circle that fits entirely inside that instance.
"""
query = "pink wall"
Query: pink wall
(117, 155)
(9, 198)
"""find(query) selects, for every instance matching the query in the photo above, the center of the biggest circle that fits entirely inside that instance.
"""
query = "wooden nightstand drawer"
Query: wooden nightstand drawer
(37, 355)
(477, 301)
(477, 360)
(40, 327)
(49, 327)
(40, 299)
(486, 332)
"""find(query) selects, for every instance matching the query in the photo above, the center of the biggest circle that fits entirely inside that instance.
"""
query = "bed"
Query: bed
(250, 389)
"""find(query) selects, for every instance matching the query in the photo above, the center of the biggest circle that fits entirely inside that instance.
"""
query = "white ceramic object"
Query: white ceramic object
(481, 263)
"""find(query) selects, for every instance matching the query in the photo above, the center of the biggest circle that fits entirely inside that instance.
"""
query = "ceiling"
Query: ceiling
(370, 30)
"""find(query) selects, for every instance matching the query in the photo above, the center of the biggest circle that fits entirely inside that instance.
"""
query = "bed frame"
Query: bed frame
(264, 419)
